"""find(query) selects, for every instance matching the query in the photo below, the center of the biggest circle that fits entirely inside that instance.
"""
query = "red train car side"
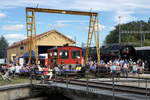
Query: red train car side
(65, 55)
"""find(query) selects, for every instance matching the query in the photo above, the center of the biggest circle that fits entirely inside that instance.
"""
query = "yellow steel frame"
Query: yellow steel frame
(30, 21)
(93, 28)
(32, 43)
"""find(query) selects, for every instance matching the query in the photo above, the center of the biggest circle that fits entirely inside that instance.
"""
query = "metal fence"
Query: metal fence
(113, 82)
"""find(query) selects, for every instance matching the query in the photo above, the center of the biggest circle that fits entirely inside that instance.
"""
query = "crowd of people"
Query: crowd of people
(13, 70)
(119, 67)
(113, 67)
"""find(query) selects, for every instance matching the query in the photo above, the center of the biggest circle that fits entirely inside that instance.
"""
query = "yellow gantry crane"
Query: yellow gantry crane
(31, 29)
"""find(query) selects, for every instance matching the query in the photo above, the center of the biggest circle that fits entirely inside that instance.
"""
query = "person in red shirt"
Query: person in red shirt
(6, 67)
(45, 72)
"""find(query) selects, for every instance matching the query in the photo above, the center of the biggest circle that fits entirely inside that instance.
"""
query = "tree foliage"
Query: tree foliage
(132, 38)
(3, 47)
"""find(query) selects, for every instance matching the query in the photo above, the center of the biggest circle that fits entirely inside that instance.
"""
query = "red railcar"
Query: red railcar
(69, 56)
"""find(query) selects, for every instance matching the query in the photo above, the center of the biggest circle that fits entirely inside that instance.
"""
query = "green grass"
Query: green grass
(16, 80)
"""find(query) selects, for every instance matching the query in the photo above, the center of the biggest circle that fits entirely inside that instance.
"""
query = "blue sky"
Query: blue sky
(13, 18)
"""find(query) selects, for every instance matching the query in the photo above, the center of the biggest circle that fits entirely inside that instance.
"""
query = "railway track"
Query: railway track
(109, 86)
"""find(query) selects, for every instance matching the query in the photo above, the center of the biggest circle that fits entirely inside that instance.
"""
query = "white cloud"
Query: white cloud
(83, 28)
(13, 22)
(13, 27)
(11, 38)
(123, 8)
(124, 17)
(69, 36)
(112, 5)
(14, 36)
(62, 23)
(119, 7)
(73, 21)
(58, 25)
(30, 3)
(2, 15)
(101, 28)
(111, 28)
(103, 5)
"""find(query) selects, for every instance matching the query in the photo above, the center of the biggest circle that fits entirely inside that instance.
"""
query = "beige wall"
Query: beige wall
(17, 51)
(53, 40)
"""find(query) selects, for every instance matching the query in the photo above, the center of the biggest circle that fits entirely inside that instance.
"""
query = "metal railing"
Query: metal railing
(115, 80)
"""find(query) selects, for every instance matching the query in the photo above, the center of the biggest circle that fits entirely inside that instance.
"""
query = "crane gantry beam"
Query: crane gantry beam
(31, 29)
(44, 10)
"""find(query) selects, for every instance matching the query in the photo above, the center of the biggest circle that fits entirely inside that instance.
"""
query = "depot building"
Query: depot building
(45, 41)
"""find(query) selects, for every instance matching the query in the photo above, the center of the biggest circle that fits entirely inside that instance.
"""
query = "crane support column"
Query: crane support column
(93, 28)
(31, 35)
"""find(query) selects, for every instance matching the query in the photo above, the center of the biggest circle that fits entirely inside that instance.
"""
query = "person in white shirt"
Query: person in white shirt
(17, 69)
(57, 70)
(50, 73)
(6, 75)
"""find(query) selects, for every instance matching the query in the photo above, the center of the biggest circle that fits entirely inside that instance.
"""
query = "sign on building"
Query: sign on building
(2, 61)
(21, 61)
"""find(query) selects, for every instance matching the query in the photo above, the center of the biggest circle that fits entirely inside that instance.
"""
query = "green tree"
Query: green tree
(3, 47)
(113, 36)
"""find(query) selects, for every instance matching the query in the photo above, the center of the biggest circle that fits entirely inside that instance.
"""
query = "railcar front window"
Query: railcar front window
(55, 53)
(63, 54)
(50, 54)
(75, 54)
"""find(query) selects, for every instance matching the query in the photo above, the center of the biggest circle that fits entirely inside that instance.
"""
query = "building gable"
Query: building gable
(43, 35)
(54, 39)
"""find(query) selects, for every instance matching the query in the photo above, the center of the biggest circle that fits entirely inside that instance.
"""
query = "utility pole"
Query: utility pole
(141, 34)
(119, 30)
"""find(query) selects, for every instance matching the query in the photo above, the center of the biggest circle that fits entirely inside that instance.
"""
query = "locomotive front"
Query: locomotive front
(66, 57)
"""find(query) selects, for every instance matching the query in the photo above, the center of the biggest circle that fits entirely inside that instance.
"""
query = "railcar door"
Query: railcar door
(50, 57)
(53, 59)
(76, 56)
